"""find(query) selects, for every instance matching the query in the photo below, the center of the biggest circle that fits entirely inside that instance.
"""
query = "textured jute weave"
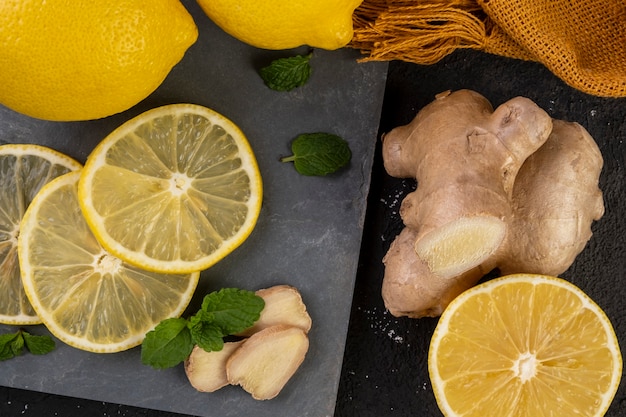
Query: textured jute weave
(583, 42)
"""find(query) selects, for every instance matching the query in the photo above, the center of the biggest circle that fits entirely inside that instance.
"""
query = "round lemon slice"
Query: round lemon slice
(524, 345)
(24, 169)
(85, 296)
(173, 190)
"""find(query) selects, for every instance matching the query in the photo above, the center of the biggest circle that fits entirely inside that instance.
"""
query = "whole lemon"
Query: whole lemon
(79, 60)
(285, 24)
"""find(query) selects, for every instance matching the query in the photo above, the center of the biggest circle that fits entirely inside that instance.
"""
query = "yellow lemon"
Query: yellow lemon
(279, 24)
(67, 60)
(524, 345)
(173, 190)
(24, 169)
(86, 297)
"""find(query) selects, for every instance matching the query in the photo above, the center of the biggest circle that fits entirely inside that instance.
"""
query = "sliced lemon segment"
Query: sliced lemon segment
(85, 296)
(24, 169)
(524, 345)
(173, 190)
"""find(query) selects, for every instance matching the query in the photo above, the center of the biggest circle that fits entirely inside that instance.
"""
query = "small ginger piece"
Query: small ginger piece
(283, 305)
(263, 362)
(206, 371)
(267, 360)
(508, 188)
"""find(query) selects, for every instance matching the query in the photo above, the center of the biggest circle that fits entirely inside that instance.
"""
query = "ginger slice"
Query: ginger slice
(206, 371)
(283, 305)
(266, 361)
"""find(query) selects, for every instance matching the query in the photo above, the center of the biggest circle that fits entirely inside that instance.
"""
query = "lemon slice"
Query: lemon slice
(86, 297)
(23, 171)
(173, 190)
(524, 345)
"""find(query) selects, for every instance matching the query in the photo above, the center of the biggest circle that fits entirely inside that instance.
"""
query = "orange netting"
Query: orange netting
(583, 42)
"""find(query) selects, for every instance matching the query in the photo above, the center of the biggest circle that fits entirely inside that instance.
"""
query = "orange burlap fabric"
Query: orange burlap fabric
(583, 42)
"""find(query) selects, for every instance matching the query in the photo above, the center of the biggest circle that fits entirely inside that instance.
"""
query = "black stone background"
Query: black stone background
(385, 361)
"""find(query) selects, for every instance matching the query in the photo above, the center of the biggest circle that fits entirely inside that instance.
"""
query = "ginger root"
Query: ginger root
(508, 189)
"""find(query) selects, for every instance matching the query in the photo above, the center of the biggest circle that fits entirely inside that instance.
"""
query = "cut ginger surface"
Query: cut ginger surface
(267, 360)
(524, 345)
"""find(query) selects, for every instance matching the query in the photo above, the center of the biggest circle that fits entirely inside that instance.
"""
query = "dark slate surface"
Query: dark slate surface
(384, 366)
(308, 234)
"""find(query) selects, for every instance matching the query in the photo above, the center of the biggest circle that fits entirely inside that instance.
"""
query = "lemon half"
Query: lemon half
(524, 345)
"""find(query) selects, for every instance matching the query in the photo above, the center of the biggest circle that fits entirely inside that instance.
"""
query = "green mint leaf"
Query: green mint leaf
(285, 74)
(167, 345)
(38, 345)
(223, 313)
(234, 310)
(318, 153)
(205, 333)
(17, 345)
(11, 345)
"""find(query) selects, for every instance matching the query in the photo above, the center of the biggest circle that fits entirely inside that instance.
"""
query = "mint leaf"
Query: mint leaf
(38, 345)
(234, 310)
(223, 313)
(285, 74)
(205, 333)
(318, 153)
(167, 345)
(11, 345)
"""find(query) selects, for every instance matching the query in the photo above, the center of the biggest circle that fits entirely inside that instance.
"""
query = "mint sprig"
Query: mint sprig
(318, 153)
(168, 344)
(223, 313)
(285, 74)
(13, 344)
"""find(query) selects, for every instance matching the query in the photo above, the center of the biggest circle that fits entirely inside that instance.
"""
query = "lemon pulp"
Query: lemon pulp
(524, 345)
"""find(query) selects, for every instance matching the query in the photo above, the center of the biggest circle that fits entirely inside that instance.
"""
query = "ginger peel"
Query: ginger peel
(508, 189)
(556, 199)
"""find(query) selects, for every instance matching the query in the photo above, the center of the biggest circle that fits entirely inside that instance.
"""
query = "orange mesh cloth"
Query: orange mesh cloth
(583, 42)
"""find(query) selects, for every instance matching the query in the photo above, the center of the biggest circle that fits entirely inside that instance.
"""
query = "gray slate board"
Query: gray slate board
(308, 235)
